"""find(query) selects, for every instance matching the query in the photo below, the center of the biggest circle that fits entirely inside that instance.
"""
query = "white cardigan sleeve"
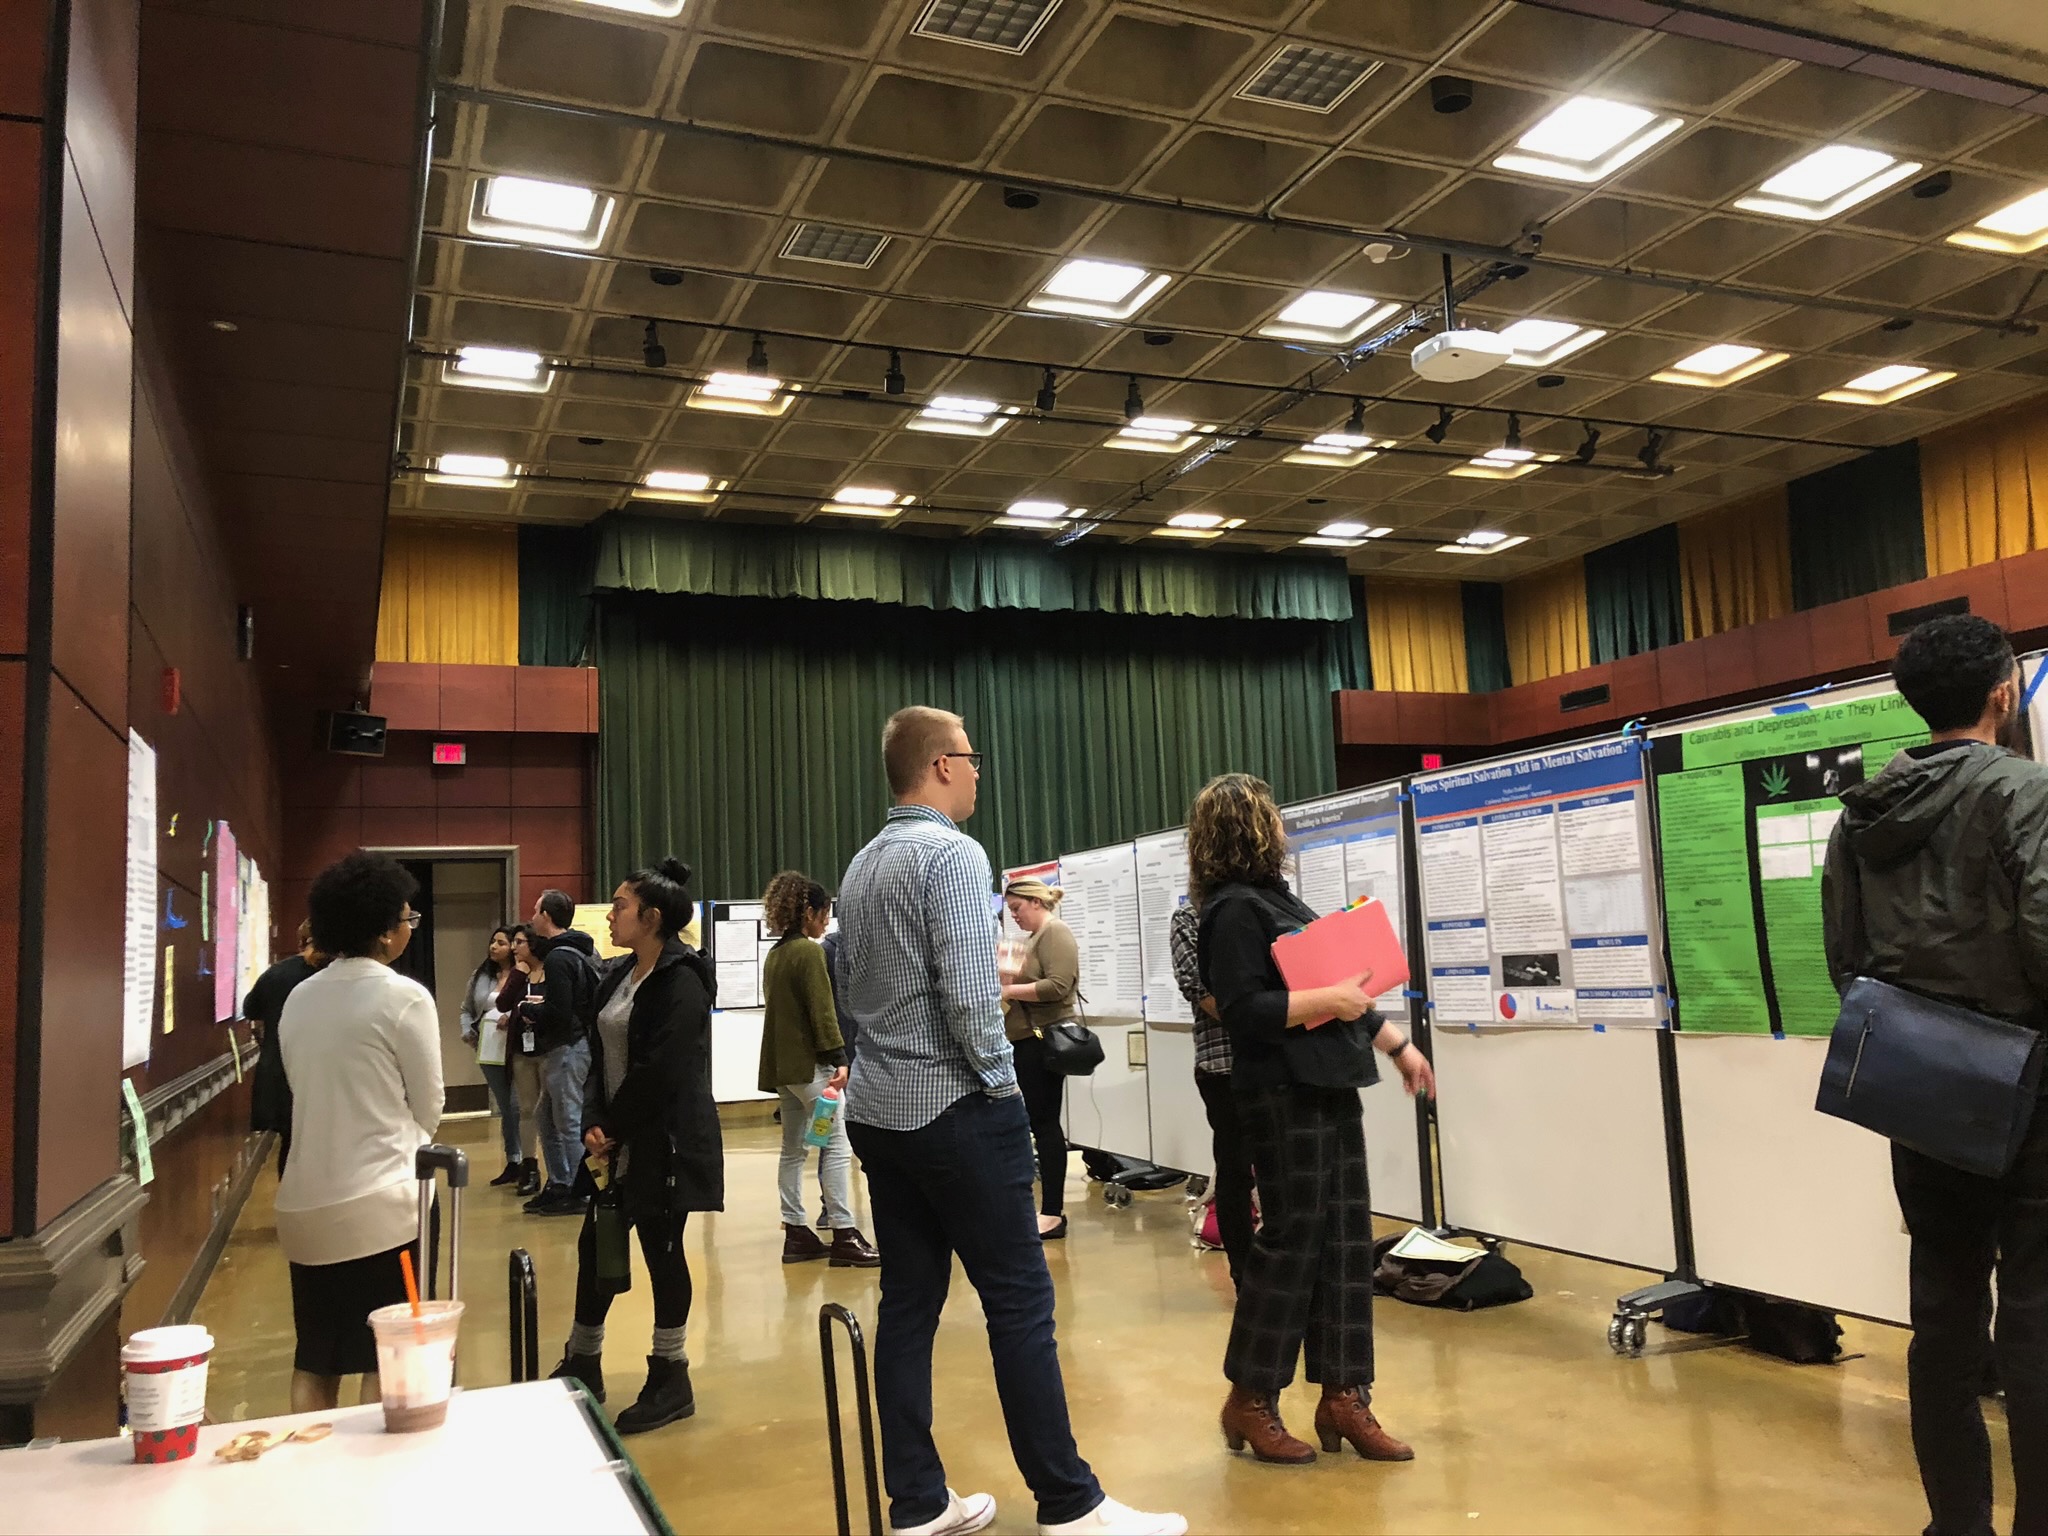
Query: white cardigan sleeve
(416, 1040)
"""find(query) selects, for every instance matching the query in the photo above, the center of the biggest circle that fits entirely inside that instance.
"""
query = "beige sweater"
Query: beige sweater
(362, 1049)
(1054, 965)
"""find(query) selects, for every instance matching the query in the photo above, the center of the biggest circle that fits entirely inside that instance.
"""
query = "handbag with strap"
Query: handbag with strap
(1942, 1080)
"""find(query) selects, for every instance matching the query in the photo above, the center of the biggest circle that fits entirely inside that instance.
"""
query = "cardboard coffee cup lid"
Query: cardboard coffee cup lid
(184, 1342)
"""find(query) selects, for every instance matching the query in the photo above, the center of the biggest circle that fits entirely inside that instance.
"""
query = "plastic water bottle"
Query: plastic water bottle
(824, 1119)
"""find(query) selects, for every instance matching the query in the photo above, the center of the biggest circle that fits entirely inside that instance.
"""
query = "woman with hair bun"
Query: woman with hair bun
(1039, 991)
(803, 1057)
(649, 1120)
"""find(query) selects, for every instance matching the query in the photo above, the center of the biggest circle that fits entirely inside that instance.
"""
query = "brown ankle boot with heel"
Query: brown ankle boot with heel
(1253, 1418)
(800, 1245)
(1343, 1415)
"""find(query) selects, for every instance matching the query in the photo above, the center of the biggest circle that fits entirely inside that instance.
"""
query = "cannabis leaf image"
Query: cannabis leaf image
(1776, 781)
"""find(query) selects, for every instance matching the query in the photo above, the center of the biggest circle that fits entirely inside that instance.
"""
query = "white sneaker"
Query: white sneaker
(1110, 1518)
(961, 1517)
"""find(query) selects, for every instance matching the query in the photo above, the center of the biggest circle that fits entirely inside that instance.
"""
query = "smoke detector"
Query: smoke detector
(1453, 357)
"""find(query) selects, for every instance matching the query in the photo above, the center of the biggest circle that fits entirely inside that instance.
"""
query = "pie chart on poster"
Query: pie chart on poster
(1507, 1005)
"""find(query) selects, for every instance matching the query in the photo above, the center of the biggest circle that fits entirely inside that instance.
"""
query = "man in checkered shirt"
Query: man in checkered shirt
(935, 1117)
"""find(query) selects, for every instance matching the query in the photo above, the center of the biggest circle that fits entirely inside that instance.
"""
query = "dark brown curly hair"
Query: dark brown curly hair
(1234, 834)
(790, 897)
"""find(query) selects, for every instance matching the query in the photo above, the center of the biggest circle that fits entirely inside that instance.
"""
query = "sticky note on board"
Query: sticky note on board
(145, 1161)
(235, 1050)
(170, 992)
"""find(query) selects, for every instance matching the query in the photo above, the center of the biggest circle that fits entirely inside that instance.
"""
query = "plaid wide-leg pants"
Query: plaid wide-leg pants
(1308, 1281)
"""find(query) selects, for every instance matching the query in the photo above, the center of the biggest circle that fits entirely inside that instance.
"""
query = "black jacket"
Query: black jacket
(270, 1095)
(663, 1114)
(572, 973)
(1234, 947)
(1937, 881)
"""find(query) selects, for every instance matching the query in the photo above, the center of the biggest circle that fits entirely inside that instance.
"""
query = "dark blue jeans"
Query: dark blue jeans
(962, 1185)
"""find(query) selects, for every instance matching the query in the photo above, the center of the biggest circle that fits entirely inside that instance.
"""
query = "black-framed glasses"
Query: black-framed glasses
(973, 758)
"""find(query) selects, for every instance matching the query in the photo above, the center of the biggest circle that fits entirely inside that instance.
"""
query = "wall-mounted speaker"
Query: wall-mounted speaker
(355, 735)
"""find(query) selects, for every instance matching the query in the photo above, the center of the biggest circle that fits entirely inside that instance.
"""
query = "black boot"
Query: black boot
(529, 1179)
(514, 1170)
(665, 1398)
(588, 1369)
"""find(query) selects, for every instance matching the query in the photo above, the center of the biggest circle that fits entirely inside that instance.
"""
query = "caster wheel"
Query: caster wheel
(1617, 1333)
(1638, 1334)
(1115, 1196)
(1198, 1188)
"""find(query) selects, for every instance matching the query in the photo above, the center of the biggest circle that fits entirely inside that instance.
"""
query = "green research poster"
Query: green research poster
(1744, 811)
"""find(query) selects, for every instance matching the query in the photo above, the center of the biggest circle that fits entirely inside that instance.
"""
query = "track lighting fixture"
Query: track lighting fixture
(652, 352)
(1514, 435)
(1048, 393)
(892, 381)
(1354, 424)
(1590, 446)
(757, 360)
(1134, 401)
(1440, 428)
(1648, 453)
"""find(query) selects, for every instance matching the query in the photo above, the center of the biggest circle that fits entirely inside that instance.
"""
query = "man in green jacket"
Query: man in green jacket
(1937, 881)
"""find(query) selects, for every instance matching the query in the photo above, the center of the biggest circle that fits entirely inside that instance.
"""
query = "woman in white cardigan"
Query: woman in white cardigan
(362, 1051)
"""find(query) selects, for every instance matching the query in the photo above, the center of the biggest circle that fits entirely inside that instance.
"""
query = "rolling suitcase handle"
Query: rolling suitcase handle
(828, 1314)
(451, 1161)
(522, 1306)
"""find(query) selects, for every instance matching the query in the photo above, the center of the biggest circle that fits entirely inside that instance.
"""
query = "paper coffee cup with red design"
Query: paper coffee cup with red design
(164, 1372)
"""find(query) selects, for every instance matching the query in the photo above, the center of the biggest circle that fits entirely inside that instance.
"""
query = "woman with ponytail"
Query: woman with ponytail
(650, 1122)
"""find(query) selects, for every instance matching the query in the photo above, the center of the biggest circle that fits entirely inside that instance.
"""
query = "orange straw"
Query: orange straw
(412, 1284)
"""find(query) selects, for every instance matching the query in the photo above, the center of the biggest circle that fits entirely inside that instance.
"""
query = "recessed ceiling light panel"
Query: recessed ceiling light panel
(1313, 79)
(678, 485)
(1336, 450)
(743, 394)
(2016, 229)
(1881, 386)
(1724, 363)
(1482, 543)
(1503, 464)
(1042, 511)
(959, 416)
(1829, 181)
(505, 368)
(642, 7)
(1158, 434)
(1105, 290)
(529, 212)
(473, 469)
(1324, 315)
(1587, 139)
(834, 247)
(1539, 343)
(1006, 26)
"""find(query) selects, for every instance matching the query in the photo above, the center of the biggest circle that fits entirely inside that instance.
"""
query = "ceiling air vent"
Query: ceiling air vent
(1906, 620)
(1584, 698)
(834, 247)
(1007, 26)
(1313, 79)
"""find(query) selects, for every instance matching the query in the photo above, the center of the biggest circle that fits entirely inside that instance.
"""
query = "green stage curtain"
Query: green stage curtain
(554, 595)
(744, 735)
(1486, 637)
(640, 554)
(1635, 600)
(1857, 527)
(1351, 643)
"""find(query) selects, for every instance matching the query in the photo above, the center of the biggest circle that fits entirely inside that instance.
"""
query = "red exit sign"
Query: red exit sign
(1432, 760)
(450, 754)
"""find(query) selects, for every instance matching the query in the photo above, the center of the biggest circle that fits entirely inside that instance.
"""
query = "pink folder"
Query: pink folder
(1337, 947)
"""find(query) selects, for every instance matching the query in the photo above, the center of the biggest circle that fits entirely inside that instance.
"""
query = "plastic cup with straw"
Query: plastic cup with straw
(415, 1355)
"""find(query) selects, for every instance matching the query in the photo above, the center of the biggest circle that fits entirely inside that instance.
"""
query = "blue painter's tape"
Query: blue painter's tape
(2027, 699)
(1790, 709)
(1777, 1034)
(1599, 1029)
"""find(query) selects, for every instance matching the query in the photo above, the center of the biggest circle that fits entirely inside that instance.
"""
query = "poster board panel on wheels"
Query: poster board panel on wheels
(1546, 987)
(1180, 1125)
(1346, 847)
(1785, 1201)
(1107, 1111)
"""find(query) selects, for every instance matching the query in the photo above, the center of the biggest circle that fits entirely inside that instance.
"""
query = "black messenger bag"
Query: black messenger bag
(1951, 1084)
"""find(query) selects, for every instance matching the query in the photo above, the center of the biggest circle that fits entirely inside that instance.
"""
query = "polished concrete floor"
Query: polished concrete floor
(1521, 1418)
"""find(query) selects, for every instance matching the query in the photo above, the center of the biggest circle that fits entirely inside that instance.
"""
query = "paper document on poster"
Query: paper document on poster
(1162, 891)
(138, 974)
(1101, 907)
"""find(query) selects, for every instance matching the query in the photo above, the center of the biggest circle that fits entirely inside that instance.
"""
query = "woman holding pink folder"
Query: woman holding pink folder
(1308, 1281)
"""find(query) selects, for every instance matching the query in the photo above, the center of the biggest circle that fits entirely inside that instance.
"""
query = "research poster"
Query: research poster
(739, 943)
(1344, 848)
(1101, 906)
(1046, 873)
(138, 974)
(1162, 891)
(227, 941)
(1745, 810)
(1536, 890)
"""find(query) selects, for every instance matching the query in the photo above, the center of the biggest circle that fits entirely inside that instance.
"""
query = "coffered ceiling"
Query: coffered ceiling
(738, 135)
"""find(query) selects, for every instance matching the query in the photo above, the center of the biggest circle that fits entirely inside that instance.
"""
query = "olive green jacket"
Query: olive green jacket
(1054, 967)
(801, 1031)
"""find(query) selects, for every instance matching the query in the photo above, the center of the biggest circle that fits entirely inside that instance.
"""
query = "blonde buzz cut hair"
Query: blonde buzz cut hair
(912, 741)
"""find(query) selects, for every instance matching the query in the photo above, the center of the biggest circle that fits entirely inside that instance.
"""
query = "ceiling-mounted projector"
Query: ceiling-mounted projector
(1452, 357)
